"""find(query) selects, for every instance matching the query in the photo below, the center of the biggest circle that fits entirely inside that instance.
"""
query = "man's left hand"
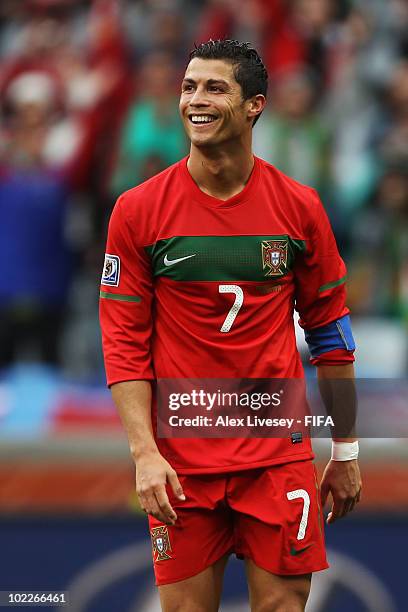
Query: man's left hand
(342, 479)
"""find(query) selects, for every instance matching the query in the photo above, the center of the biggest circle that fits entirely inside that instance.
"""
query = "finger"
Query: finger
(142, 500)
(141, 495)
(351, 505)
(356, 499)
(324, 492)
(153, 508)
(164, 504)
(348, 506)
(176, 486)
(336, 512)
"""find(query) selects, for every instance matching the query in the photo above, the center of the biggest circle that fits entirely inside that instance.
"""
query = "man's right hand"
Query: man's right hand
(152, 474)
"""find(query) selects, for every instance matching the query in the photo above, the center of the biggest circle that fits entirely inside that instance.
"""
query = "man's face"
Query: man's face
(211, 104)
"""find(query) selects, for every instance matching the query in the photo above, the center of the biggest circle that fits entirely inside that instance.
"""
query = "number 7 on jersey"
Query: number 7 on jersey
(235, 308)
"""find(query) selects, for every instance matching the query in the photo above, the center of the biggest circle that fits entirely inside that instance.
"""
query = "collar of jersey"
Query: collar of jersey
(208, 200)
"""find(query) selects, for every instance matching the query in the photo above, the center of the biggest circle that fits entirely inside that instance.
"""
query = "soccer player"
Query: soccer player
(205, 263)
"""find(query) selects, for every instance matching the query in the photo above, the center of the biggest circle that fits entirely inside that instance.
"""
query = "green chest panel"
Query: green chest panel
(224, 258)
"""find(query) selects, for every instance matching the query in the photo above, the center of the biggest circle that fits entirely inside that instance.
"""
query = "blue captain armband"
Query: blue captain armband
(335, 335)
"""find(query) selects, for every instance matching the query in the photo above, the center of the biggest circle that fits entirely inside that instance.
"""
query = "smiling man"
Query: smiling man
(205, 263)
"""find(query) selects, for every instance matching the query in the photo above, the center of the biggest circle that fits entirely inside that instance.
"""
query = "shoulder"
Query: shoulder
(148, 196)
(285, 182)
(153, 186)
(140, 208)
(295, 195)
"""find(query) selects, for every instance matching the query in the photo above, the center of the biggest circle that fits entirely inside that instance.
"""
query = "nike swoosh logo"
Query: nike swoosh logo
(294, 552)
(171, 262)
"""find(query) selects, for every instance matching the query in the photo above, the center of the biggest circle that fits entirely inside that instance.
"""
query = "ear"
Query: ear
(256, 105)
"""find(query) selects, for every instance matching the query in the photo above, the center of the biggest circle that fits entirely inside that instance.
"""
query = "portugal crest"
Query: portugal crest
(274, 256)
(161, 543)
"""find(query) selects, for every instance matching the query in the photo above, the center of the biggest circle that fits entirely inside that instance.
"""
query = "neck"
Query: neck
(218, 172)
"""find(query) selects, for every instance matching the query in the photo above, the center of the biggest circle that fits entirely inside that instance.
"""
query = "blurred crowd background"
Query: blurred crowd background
(89, 108)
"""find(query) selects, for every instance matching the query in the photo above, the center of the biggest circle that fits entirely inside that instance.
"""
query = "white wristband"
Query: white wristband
(344, 451)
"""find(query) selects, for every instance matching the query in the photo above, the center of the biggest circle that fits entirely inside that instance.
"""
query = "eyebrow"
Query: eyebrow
(209, 81)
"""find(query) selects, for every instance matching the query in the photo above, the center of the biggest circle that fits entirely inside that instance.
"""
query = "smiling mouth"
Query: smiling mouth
(202, 119)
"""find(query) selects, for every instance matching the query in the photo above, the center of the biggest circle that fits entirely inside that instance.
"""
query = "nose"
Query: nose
(198, 98)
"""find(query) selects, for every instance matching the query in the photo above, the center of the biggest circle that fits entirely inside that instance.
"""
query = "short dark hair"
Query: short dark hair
(249, 70)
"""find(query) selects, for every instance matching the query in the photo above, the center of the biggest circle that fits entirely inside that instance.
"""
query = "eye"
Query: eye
(187, 87)
(215, 88)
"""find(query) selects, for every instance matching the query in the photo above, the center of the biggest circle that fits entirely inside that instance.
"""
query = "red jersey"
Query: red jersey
(197, 287)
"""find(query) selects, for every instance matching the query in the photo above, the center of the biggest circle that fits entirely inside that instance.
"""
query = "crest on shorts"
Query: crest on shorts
(274, 256)
(160, 543)
(111, 271)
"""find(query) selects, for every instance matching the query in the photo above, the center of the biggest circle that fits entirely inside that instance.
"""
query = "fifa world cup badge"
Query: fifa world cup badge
(161, 543)
(274, 256)
(111, 270)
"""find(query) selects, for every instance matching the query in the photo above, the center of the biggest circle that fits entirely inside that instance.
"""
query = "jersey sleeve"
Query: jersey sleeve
(125, 303)
(320, 273)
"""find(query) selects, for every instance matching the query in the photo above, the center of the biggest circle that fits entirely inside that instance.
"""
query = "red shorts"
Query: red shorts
(270, 515)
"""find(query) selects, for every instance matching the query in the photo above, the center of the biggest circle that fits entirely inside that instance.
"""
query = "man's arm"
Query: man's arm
(341, 478)
(133, 401)
(126, 324)
(321, 302)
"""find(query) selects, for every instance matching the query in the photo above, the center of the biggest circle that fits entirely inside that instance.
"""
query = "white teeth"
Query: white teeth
(202, 118)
